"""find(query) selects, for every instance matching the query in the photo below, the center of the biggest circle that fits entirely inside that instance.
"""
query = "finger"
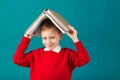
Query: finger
(71, 32)
(70, 27)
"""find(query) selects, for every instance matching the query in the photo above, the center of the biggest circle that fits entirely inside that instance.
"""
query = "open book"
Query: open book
(58, 20)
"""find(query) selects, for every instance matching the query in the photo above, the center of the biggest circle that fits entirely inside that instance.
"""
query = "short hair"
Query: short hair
(47, 24)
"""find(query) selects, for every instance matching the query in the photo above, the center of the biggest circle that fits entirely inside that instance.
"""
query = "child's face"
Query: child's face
(50, 38)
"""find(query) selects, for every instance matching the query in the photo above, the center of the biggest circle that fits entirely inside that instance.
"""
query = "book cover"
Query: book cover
(56, 18)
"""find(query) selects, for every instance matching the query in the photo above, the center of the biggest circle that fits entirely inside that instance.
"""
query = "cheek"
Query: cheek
(43, 41)
(55, 41)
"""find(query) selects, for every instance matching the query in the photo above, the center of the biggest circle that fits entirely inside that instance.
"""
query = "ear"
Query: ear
(60, 35)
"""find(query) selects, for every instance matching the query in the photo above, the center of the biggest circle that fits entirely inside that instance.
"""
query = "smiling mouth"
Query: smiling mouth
(50, 46)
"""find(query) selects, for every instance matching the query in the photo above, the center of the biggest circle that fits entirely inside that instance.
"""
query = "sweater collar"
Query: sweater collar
(56, 49)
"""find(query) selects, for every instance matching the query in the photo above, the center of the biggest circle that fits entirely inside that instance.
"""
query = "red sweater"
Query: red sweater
(48, 65)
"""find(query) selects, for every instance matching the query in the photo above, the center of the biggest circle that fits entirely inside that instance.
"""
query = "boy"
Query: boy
(51, 62)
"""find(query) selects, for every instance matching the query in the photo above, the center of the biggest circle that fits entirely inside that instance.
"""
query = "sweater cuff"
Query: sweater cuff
(25, 39)
(78, 45)
(24, 42)
(78, 42)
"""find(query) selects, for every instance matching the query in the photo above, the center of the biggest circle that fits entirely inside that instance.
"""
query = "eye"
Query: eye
(52, 37)
(44, 38)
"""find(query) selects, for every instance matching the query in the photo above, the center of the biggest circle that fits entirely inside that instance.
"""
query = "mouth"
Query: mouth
(50, 46)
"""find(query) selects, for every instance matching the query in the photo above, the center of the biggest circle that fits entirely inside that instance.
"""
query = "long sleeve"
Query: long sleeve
(20, 57)
(79, 57)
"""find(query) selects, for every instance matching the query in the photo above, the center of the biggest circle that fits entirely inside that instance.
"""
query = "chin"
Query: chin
(50, 48)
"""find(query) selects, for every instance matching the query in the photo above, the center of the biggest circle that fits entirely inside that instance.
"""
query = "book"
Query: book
(55, 17)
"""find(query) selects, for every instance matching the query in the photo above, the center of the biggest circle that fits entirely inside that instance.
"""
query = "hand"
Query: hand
(29, 35)
(72, 33)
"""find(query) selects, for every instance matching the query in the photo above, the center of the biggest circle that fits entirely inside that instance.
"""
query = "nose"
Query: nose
(48, 41)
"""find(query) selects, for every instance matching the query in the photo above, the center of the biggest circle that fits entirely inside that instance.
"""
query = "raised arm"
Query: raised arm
(20, 57)
(79, 57)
